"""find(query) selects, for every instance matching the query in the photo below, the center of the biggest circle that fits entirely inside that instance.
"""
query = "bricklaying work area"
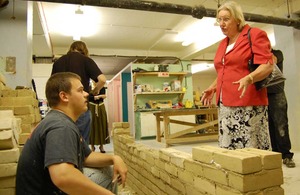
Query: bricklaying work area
(19, 112)
(208, 170)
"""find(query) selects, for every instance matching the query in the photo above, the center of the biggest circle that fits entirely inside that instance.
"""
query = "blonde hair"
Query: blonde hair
(79, 46)
(235, 10)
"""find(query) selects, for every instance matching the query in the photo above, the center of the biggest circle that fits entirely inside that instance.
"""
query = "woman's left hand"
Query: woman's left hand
(244, 83)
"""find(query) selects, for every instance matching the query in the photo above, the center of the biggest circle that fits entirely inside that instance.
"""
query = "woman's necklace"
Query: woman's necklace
(231, 41)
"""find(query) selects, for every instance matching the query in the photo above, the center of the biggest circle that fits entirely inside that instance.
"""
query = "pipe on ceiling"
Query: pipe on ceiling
(197, 11)
(3, 3)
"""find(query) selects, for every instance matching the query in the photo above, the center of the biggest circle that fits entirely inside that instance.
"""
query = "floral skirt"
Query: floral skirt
(244, 127)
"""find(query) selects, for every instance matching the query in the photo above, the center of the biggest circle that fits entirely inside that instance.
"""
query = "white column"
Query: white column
(15, 39)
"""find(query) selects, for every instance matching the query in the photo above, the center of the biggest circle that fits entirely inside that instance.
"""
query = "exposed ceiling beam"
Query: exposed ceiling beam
(197, 12)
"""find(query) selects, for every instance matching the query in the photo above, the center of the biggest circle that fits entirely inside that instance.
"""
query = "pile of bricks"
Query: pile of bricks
(19, 113)
(9, 151)
(24, 105)
(208, 170)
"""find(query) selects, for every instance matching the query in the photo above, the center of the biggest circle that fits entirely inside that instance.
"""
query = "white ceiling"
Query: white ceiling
(123, 33)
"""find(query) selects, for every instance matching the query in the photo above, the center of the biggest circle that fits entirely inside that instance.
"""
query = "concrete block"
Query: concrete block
(171, 169)
(273, 191)
(190, 190)
(7, 191)
(186, 176)
(121, 131)
(117, 125)
(160, 184)
(23, 137)
(204, 185)
(6, 123)
(18, 101)
(8, 182)
(205, 153)
(236, 161)
(270, 160)
(37, 114)
(194, 167)
(170, 190)
(160, 164)
(27, 118)
(9, 93)
(6, 113)
(165, 176)
(174, 156)
(27, 128)
(9, 156)
(178, 185)
(26, 92)
(125, 125)
(8, 169)
(23, 110)
(256, 181)
(215, 174)
(7, 108)
(7, 140)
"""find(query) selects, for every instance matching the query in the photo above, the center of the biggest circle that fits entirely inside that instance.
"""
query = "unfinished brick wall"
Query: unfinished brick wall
(208, 170)
(9, 151)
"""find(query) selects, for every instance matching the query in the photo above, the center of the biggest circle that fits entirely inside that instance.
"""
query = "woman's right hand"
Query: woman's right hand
(207, 96)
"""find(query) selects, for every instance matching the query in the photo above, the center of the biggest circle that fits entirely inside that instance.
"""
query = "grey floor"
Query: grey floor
(291, 176)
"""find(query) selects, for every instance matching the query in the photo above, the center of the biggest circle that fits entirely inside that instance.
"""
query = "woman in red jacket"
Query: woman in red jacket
(243, 116)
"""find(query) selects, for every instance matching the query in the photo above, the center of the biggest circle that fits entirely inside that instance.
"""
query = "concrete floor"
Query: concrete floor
(291, 176)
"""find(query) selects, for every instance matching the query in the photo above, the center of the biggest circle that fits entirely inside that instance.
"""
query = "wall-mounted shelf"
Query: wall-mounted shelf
(160, 93)
(154, 78)
(180, 75)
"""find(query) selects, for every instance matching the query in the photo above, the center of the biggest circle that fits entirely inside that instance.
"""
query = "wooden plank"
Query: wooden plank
(189, 130)
(178, 112)
(166, 126)
(158, 130)
(183, 122)
(195, 138)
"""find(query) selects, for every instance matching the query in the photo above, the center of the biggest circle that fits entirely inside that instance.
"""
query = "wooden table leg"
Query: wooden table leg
(158, 130)
(166, 128)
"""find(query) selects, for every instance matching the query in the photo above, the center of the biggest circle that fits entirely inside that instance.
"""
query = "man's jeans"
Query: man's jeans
(84, 124)
(101, 176)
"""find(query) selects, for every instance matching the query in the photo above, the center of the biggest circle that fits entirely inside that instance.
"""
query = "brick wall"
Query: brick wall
(19, 113)
(208, 170)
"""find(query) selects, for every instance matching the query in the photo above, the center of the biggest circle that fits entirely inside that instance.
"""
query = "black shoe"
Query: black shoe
(289, 162)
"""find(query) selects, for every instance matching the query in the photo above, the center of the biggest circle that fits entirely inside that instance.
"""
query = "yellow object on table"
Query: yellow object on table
(188, 104)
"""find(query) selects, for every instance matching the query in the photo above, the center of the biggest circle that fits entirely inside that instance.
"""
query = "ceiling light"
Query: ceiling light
(186, 43)
(78, 11)
(76, 37)
(197, 33)
(69, 19)
(201, 67)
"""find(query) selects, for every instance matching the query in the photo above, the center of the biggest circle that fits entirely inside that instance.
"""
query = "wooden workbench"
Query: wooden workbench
(187, 135)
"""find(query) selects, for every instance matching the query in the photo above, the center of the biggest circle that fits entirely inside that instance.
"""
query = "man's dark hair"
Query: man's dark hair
(57, 83)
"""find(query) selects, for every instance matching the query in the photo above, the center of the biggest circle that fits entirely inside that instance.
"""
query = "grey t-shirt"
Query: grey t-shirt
(56, 139)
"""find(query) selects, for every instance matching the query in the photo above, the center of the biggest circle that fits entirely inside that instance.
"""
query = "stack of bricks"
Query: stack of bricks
(9, 151)
(208, 170)
(24, 105)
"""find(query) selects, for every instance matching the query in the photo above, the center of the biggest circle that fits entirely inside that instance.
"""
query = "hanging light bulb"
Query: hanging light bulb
(78, 11)
(78, 24)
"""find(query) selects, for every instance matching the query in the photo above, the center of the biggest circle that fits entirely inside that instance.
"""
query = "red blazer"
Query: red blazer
(235, 67)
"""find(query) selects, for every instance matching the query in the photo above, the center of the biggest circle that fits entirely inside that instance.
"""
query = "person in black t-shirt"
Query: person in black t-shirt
(55, 159)
(77, 61)
(278, 119)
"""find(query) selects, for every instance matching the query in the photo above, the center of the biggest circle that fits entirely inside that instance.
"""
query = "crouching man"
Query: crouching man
(54, 157)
